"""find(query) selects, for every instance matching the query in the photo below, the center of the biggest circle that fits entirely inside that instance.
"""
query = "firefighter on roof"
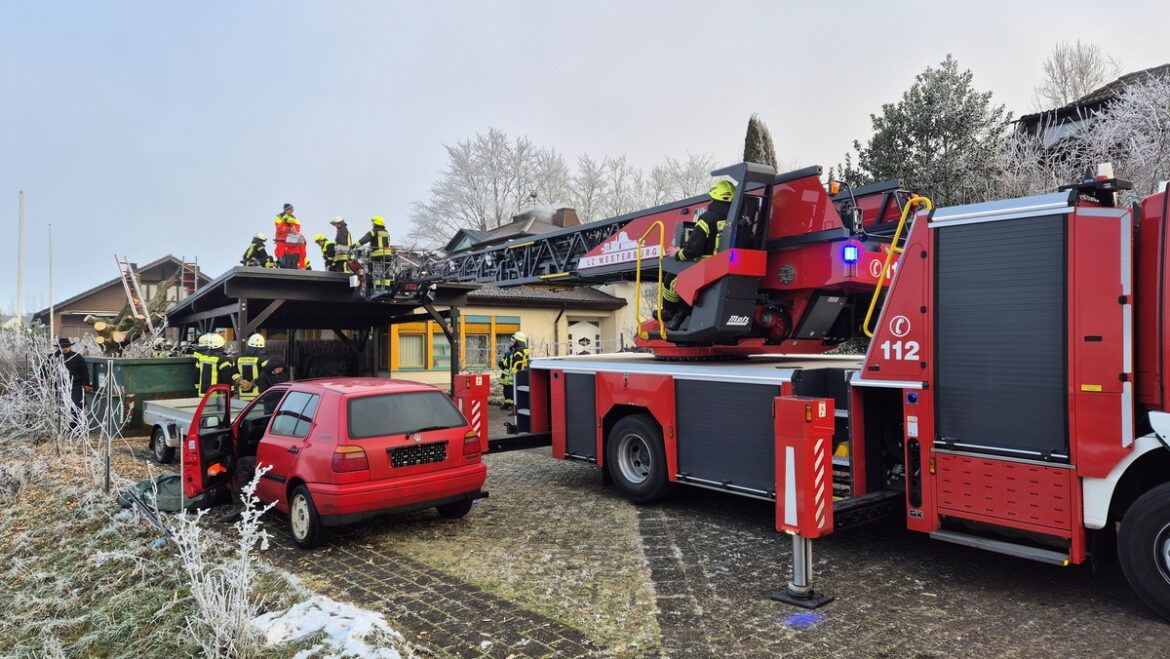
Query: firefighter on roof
(328, 252)
(342, 243)
(702, 242)
(256, 255)
(378, 238)
(514, 361)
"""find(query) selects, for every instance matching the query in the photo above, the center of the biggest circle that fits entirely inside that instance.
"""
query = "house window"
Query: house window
(502, 341)
(478, 356)
(412, 351)
(442, 351)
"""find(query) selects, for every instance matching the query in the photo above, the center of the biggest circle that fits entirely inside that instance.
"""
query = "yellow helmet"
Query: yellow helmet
(216, 341)
(319, 238)
(378, 221)
(256, 341)
(722, 191)
(519, 336)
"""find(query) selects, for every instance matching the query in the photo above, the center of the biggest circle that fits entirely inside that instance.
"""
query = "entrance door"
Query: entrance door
(584, 337)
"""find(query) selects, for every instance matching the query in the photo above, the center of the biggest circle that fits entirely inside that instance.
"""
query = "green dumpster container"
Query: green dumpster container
(140, 380)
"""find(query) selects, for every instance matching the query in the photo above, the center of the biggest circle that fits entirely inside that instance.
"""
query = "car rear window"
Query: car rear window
(398, 414)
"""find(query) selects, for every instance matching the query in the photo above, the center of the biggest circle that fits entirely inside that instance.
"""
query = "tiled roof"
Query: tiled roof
(554, 297)
(1087, 104)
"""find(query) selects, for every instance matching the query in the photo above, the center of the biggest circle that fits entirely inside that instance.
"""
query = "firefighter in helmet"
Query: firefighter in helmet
(378, 238)
(256, 255)
(214, 365)
(328, 252)
(249, 366)
(702, 242)
(514, 361)
(342, 244)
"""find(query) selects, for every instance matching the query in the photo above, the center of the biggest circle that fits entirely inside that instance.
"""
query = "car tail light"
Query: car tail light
(470, 447)
(349, 458)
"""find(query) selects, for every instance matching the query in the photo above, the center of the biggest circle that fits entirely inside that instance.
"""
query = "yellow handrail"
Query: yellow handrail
(894, 249)
(638, 279)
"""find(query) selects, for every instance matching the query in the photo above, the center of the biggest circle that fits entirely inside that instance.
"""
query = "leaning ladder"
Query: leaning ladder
(133, 289)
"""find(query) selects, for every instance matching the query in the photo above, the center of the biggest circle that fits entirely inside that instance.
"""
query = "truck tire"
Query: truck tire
(1143, 548)
(163, 454)
(636, 458)
(454, 510)
(303, 522)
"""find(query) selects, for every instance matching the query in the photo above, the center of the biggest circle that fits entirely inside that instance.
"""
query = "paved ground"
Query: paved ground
(702, 567)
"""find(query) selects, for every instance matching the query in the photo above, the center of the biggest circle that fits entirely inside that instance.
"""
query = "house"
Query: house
(1058, 124)
(107, 299)
(557, 320)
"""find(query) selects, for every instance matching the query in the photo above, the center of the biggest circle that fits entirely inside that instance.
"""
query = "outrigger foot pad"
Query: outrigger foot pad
(810, 600)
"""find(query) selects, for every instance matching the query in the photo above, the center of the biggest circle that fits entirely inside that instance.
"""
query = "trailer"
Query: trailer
(169, 420)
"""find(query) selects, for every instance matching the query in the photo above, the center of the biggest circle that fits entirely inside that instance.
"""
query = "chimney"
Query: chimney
(565, 217)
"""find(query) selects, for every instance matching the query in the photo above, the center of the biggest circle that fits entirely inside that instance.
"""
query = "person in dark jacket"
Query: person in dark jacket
(256, 255)
(78, 376)
(274, 373)
(342, 244)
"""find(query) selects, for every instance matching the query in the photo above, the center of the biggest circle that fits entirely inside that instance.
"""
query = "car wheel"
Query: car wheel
(1143, 548)
(163, 454)
(454, 510)
(636, 459)
(303, 521)
(244, 473)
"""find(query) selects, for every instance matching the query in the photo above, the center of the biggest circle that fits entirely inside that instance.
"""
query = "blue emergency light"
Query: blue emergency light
(850, 254)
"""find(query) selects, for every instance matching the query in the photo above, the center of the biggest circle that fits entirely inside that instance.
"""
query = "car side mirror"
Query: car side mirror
(209, 422)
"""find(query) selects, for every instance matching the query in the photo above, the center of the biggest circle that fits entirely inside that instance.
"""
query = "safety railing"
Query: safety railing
(638, 279)
(895, 249)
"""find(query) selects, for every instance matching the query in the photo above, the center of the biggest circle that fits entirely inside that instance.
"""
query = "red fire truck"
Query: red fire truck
(1013, 396)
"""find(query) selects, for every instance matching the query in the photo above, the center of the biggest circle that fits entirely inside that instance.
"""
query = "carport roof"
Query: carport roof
(296, 299)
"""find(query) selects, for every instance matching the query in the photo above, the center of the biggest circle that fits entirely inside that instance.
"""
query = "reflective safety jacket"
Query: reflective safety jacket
(515, 360)
(248, 368)
(257, 255)
(284, 223)
(378, 239)
(329, 254)
(213, 368)
(704, 238)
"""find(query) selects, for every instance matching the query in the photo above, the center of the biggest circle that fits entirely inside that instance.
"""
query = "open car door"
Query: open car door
(207, 450)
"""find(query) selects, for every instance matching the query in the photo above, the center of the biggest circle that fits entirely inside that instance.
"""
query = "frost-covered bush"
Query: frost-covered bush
(223, 589)
(17, 475)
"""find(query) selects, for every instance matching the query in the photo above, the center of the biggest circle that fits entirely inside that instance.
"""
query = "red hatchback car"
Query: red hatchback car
(340, 450)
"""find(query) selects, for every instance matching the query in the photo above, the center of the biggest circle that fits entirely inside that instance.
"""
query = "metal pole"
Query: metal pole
(52, 304)
(109, 419)
(20, 266)
(801, 566)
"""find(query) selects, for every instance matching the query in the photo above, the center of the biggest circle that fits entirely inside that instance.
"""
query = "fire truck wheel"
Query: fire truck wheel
(303, 521)
(636, 459)
(163, 454)
(1143, 548)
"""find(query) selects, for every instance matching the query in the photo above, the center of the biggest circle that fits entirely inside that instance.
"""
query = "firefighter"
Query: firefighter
(256, 255)
(248, 367)
(703, 242)
(378, 238)
(284, 224)
(342, 243)
(328, 253)
(273, 373)
(514, 361)
(214, 365)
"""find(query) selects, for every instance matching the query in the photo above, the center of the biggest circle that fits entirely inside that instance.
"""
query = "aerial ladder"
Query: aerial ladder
(793, 273)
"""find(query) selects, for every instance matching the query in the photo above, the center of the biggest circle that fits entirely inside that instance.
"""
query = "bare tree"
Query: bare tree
(488, 179)
(1072, 71)
(587, 188)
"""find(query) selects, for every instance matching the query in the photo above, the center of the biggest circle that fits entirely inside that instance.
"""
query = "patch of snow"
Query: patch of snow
(349, 631)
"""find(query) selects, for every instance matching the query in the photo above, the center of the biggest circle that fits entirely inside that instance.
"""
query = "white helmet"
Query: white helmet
(204, 341)
(216, 341)
(256, 341)
(260, 236)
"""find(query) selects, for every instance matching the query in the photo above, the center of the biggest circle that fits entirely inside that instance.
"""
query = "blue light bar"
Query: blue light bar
(850, 254)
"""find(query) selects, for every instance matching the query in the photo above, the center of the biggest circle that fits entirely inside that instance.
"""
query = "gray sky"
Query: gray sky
(143, 128)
